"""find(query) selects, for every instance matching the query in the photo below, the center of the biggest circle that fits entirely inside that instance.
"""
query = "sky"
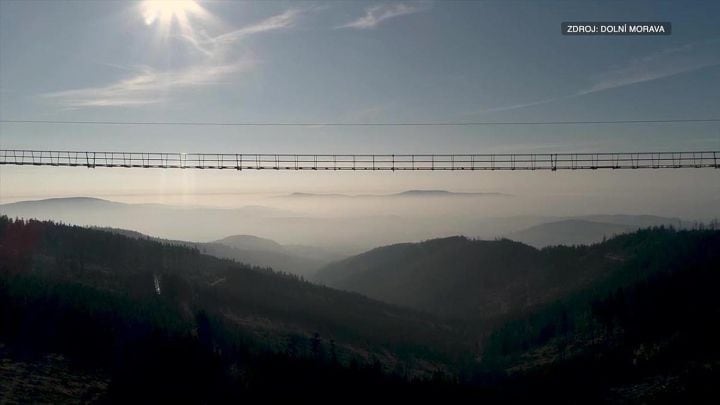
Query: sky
(360, 62)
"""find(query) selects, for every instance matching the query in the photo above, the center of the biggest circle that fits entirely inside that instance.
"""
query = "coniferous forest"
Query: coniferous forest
(631, 319)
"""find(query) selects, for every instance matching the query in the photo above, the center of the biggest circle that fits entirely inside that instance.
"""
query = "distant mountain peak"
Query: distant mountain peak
(425, 192)
(407, 193)
(65, 200)
(445, 193)
(250, 242)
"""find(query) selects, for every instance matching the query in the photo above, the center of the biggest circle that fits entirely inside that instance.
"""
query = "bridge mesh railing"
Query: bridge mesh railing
(511, 161)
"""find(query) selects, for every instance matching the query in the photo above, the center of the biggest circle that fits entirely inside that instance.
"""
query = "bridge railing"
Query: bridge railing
(508, 161)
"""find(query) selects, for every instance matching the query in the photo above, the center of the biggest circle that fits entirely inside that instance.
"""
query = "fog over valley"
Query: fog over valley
(340, 223)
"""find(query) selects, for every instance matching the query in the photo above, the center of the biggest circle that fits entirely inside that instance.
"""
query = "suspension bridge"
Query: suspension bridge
(364, 162)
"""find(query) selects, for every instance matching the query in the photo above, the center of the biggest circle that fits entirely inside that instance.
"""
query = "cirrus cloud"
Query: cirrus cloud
(147, 87)
(151, 86)
(662, 64)
(377, 14)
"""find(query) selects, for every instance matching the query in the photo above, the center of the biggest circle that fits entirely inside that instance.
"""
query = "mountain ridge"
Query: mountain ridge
(406, 193)
(478, 279)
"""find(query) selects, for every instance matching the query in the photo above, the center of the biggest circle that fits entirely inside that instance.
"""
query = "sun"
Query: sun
(166, 12)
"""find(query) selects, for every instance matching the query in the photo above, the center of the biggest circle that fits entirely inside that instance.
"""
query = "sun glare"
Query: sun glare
(166, 12)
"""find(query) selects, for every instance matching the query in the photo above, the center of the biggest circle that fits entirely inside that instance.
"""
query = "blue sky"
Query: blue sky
(355, 61)
(276, 61)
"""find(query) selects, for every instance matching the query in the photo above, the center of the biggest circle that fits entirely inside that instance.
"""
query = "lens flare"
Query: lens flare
(165, 13)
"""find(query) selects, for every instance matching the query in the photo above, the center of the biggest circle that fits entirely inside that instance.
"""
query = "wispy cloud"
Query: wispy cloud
(663, 64)
(377, 14)
(528, 104)
(215, 45)
(150, 86)
(659, 65)
(276, 22)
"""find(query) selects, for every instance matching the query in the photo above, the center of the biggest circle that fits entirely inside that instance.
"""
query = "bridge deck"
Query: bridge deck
(510, 161)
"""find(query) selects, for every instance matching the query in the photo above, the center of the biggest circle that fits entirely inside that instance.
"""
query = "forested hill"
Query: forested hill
(471, 279)
(102, 277)
(630, 319)
(650, 340)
